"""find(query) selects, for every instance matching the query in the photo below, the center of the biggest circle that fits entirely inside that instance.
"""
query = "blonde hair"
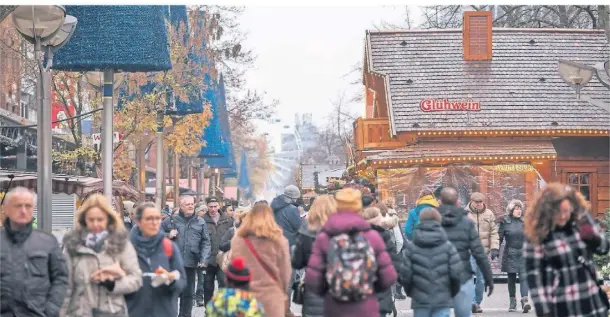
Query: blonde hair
(115, 222)
(260, 223)
(322, 208)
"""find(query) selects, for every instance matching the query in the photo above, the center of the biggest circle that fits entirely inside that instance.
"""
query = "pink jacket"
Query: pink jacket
(315, 279)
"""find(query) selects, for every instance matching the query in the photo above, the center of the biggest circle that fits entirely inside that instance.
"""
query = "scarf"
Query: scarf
(17, 235)
(95, 241)
(145, 246)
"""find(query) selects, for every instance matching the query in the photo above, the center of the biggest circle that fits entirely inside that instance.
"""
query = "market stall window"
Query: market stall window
(582, 182)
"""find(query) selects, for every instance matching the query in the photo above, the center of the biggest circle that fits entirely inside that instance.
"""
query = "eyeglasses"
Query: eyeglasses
(478, 201)
(152, 219)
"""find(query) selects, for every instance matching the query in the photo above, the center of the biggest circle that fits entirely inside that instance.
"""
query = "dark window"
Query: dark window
(582, 182)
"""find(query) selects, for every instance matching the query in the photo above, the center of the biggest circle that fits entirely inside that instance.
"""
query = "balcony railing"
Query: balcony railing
(370, 134)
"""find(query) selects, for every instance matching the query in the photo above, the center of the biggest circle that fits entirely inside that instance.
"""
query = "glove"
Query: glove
(489, 288)
(495, 253)
(588, 235)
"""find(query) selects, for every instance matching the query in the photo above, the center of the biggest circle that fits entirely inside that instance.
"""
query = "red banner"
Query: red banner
(59, 110)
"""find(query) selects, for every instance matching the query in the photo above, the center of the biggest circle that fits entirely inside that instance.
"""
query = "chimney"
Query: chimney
(476, 35)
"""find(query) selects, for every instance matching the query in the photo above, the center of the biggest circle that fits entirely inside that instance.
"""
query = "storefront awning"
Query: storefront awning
(435, 152)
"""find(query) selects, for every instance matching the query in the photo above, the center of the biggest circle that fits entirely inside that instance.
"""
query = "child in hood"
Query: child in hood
(235, 300)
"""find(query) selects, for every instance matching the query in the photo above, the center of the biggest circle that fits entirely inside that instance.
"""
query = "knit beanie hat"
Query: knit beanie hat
(237, 270)
(349, 199)
(476, 196)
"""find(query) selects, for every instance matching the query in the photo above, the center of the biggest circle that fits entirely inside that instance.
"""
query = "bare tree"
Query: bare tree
(5, 11)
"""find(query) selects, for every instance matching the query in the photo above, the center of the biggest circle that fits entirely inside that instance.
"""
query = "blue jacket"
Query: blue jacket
(161, 301)
(287, 217)
(413, 219)
(193, 238)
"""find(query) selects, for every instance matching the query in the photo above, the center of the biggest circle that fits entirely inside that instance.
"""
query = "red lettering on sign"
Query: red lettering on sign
(429, 105)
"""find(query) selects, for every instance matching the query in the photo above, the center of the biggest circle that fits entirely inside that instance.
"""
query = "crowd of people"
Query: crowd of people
(347, 256)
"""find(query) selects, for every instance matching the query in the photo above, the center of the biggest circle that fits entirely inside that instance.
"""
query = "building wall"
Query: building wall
(10, 68)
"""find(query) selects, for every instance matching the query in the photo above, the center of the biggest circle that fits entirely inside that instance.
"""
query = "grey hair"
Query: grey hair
(185, 197)
(18, 190)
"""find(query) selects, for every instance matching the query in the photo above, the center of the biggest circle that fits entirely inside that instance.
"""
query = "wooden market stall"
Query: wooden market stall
(485, 110)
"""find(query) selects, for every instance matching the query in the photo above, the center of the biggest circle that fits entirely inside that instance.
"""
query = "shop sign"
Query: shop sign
(429, 105)
(514, 168)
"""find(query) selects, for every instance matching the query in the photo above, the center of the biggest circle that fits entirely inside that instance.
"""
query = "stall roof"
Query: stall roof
(472, 149)
(520, 88)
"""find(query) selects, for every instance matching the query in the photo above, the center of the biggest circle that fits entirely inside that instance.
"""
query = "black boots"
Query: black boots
(525, 305)
(513, 304)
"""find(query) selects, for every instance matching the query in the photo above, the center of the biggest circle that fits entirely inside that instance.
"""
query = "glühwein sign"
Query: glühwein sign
(429, 105)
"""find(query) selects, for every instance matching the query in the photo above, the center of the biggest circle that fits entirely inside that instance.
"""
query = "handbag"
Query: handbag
(98, 312)
(298, 292)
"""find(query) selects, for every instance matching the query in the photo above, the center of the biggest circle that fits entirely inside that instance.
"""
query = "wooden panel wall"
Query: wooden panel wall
(600, 196)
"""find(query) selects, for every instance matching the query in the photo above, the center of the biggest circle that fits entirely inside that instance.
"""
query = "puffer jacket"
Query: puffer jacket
(82, 261)
(287, 217)
(193, 238)
(462, 233)
(432, 268)
(485, 222)
(422, 203)
(216, 231)
(313, 305)
(385, 297)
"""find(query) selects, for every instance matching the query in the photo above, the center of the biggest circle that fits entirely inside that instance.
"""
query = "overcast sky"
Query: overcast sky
(303, 54)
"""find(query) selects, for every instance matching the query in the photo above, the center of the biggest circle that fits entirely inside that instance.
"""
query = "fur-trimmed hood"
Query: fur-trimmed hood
(114, 245)
(511, 206)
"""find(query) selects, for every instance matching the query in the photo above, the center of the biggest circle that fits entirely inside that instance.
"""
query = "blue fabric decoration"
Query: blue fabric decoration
(119, 37)
(243, 182)
(212, 134)
(227, 161)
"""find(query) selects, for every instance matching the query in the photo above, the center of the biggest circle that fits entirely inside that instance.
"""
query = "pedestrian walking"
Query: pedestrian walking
(348, 286)
(511, 231)
(235, 299)
(322, 208)
(34, 278)
(102, 262)
(390, 222)
(259, 240)
(218, 224)
(224, 248)
(375, 218)
(462, 233)
(191, 235)
(287, 216)
(561, 237)
(426, 200)
(432, 268)
(485, 222)
(158, 296)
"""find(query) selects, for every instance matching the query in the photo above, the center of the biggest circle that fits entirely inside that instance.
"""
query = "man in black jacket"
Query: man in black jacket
(190, 232)
(463, 234)
(36, 278)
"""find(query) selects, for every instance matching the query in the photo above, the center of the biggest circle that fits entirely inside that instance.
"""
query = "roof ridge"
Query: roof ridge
(495, 29)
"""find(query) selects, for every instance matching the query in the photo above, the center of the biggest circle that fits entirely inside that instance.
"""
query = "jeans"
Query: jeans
(479, 287)
(512, 281)
(186, 298)
(429, 312)
(462, 302)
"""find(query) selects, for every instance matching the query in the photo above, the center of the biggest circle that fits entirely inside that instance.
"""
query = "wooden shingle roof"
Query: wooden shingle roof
(520, 88)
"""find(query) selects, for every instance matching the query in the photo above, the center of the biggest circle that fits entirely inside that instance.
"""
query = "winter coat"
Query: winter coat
(287, 217)
(228, 302)
(216, 231)
(422, 203)
(276, 255)
(225, 240)
(559, 284)
(398, 237)
(462, 233)
(158, 301)
(385, 297)
(511, 231)
(193, 239)
(432, 268)
(315, 274)
(34, 277)
(82, 262)
(313, 305)
(485, 222)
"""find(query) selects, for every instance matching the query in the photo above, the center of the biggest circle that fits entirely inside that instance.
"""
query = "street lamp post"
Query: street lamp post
(48, 28)
(578, 75)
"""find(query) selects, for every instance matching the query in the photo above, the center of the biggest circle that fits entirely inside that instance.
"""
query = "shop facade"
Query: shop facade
(483, 109)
